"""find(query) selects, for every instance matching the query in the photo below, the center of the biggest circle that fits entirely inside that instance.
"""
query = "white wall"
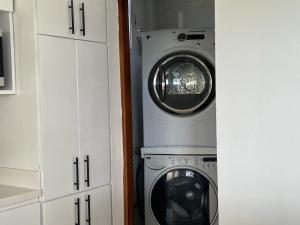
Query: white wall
(169, 14)
(116, 113)
(258, 90)
(18, 113)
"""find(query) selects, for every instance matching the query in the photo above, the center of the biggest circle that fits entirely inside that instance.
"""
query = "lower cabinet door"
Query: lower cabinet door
(64, 211)
(26, 215)
(88, 208)
(97, 207)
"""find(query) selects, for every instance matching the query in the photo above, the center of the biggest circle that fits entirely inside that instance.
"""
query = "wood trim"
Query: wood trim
(126, 111)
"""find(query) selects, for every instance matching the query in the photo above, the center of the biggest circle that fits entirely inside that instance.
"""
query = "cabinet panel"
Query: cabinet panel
(58, 115)
(7, 5)
(95, 20)
(62, 211)
(26, 215)
(99, 211)
(94, 111)
(55, 17)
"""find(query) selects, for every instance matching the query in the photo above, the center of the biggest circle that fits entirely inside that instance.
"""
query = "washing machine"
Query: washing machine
(179, 88)
(181, 189)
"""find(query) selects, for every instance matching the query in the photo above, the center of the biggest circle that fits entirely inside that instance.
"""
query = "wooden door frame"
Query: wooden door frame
(126, 111)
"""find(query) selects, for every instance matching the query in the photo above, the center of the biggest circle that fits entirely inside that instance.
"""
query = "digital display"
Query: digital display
(210, 159)
(195, 36)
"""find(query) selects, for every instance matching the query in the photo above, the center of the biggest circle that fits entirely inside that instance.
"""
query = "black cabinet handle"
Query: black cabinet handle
(71, 7)
(76, 163)
(82, 9)
(88, 201)
(77, 205)
(87, 162)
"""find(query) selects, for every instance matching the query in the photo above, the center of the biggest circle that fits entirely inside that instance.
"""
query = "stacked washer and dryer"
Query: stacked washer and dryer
(179, 115)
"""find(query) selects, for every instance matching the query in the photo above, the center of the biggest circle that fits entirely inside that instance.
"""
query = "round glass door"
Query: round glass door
(181, 197)
(182, 84)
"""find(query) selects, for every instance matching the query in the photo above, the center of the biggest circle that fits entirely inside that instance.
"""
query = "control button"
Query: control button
(181, 37)
(186, 161)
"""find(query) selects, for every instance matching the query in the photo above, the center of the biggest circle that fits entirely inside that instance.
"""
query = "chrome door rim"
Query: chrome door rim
(183, 111)
(164, 172)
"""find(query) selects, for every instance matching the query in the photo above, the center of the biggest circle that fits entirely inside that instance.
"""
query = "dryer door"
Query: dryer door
(184, 196)
(182, 83)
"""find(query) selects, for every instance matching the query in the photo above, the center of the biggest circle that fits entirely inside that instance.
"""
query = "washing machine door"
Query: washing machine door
(182, 84)
(184, 196)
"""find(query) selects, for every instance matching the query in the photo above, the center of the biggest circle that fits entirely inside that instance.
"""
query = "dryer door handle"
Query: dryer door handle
(163, 85)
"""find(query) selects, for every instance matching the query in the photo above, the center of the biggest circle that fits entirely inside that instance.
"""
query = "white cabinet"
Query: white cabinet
(74, 116)
(67, 89)
(55, 17)
(64, 211)
(58, 115)
(6, 5)
(93, 20)
(94, 200)
(79, 19)
(93, 207)
(26, 215)
(94, 112)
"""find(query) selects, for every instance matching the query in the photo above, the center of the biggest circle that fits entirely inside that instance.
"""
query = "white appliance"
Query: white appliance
(179, 88)
(181, 189)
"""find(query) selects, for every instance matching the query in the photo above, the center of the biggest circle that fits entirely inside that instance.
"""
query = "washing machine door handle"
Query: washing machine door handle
(163, 84)
(156, 167)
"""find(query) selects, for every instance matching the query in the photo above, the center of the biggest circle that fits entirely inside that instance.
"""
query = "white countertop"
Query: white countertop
(10, 195)
(18, 187)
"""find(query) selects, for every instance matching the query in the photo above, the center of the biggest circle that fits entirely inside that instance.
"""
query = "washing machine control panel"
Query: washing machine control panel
(202, 162)
(206, 163)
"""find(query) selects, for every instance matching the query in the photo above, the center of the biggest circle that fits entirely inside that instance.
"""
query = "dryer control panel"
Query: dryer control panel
(188, 36)
(161, 40)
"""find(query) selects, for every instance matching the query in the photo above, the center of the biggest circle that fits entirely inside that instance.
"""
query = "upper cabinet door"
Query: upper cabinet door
(58, 115)
(57, 17)
(7, 5)
(94, 113)
(92, 20)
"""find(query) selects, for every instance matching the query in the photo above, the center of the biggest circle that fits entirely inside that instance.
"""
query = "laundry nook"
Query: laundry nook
(149, 112)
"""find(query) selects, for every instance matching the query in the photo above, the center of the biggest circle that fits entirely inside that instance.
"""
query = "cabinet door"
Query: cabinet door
(62, 211)
(92, 20)
(97, 206)
(58, 115)
(94, 112)
(57, 17)
(26, 215)
(7, 5)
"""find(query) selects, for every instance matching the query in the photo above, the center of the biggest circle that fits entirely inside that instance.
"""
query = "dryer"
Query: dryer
(179, 88)
(181, 189)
